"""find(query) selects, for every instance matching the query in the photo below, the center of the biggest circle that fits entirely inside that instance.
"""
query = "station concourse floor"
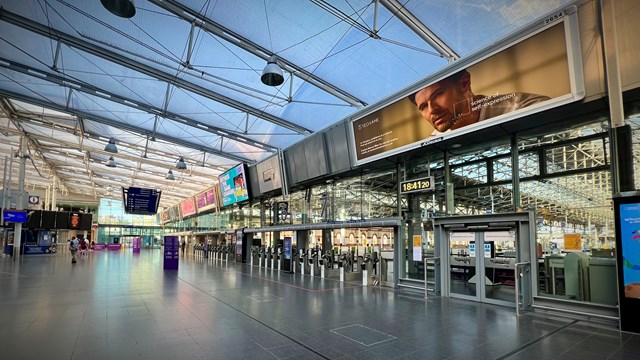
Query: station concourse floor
(119, 305)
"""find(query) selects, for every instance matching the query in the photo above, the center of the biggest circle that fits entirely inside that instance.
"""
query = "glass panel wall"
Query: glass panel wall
(570, 191)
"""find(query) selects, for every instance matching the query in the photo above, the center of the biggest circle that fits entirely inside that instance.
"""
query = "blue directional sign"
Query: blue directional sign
(15, 216)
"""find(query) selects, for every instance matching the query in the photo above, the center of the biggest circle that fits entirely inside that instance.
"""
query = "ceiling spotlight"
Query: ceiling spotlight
(122, 8)
(272, 74)
(170, 175)
(181, 164)
(111, 162)
(111, 146)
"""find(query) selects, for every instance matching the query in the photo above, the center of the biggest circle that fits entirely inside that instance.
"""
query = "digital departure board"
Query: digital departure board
(416, 185)
(140, 201)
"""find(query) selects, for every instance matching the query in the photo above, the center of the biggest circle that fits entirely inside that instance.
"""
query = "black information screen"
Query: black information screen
(141, 201)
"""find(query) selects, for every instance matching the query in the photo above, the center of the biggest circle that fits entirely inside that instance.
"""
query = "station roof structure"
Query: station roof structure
(182, 78)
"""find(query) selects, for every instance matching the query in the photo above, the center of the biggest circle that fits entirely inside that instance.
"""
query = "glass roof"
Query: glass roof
(182, 77)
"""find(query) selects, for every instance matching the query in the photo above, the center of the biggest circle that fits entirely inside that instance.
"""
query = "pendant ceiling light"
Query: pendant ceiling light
(181, 164)
(272, 74)
(111, 146)
(121, 8)
(170, 175)
(111, 162)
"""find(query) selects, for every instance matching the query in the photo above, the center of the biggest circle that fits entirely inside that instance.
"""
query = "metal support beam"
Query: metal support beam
(119, 59)
(102, 93)
(122, 126)
(404, 15)
(219, 31)
(515, 172)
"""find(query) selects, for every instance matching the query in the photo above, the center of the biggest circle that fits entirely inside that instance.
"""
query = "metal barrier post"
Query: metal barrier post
(435, 261)
(517, 275)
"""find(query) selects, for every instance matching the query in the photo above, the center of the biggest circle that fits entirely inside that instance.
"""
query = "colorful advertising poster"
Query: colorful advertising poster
(630, 236)
(188, 207)
(171, 252)
(233, 185)
(520, 78)
(206, 200)
(287, 247)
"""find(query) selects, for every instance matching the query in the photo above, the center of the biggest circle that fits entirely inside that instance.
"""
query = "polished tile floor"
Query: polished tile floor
(118, 305)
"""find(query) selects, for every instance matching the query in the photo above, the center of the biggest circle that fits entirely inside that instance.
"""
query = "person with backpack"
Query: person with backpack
(74, 244)
(83, 247)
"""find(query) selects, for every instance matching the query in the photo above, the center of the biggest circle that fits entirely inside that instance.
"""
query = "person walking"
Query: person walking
(73, 247)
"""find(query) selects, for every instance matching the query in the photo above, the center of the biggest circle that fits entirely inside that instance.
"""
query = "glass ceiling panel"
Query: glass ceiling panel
(143, 34)
(202, 109)
(32, 87)
(111, 110)
(111, 77)
(273, 135)
(315, 34)
(470, 26)
(25, 47)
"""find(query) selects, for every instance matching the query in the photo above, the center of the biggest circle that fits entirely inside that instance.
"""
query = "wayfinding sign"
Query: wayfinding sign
(15, 216)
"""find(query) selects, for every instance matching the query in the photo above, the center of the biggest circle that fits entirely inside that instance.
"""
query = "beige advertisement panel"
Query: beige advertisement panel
(531, 75)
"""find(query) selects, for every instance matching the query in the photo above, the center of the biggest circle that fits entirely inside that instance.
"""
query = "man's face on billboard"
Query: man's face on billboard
(443, 102)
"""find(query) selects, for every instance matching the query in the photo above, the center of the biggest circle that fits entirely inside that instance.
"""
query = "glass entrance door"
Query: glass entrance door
(482, 266)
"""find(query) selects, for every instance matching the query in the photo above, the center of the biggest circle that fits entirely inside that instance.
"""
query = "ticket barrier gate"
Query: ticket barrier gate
(312, 260)
(347, 267)
(302, 260)
(262, 260)
(254, 255)
(328, 267)
(369, 269)
(278, 255)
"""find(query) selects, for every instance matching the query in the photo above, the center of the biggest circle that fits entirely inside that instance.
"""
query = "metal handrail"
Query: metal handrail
(517, 275)
(425, 259)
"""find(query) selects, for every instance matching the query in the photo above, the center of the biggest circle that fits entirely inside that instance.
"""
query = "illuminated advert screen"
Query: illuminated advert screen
(233, 185)
(535, 73)
(630, 237)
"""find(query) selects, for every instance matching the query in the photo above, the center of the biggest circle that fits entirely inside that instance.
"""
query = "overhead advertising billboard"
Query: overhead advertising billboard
(233, 185)
(188, 207)
(207, 200)
(540, 70)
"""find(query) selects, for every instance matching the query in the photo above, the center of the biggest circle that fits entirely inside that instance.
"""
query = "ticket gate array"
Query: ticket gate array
(346, 266)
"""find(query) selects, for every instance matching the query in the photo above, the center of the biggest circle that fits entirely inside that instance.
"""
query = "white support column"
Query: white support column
(53, 195)
(17, 236)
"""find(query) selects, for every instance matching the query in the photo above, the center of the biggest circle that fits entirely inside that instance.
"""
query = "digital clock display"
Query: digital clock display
(416, 185)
